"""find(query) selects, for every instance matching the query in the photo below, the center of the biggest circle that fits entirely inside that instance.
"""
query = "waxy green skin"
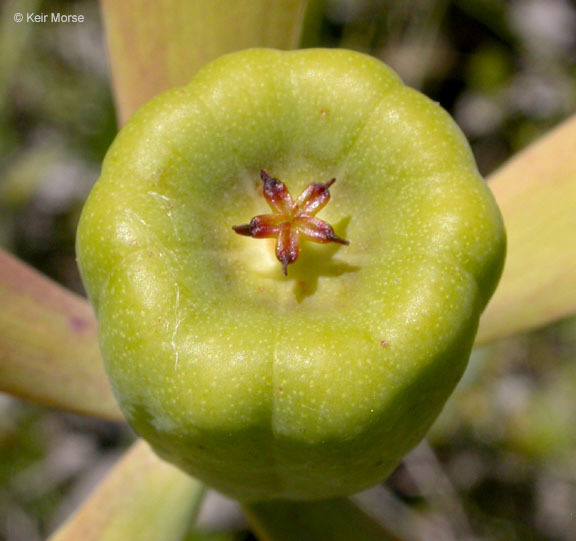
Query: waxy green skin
(312, 385)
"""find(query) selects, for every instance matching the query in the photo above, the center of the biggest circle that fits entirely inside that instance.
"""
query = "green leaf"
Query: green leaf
(143, 499)
(536, 192)
(48, 346)
(329, 520)
(157, 45)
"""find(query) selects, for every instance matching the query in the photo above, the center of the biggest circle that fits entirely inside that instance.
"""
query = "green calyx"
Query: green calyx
(312, 384)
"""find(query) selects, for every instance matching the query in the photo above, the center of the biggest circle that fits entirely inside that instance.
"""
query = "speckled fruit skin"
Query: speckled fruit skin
(312, 385)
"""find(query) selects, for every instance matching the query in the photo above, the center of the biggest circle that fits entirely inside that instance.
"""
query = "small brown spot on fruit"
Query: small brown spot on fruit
(384, 343)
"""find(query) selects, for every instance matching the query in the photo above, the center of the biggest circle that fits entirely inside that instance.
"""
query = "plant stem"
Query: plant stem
(329, 520)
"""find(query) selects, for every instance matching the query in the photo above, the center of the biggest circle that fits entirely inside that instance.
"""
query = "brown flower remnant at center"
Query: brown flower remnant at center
(291, 219)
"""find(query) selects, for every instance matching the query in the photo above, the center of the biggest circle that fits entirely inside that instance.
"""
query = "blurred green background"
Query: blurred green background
(501, 461)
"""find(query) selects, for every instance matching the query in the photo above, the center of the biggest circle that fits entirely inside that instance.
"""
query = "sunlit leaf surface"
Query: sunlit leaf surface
(536, 192)
(143, 498)
(48, 346)
(158, 45)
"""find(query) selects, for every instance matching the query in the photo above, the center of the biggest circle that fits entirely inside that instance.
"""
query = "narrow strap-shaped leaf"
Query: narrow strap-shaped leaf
(536, 192)
(157, 45)
(48, 346)
(143, 499)
(328, 520)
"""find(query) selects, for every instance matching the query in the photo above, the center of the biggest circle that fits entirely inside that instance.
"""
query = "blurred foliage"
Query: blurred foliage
(504, 460)
(56, 122)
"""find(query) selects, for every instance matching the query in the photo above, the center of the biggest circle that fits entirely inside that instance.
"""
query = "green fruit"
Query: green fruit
(314, 384)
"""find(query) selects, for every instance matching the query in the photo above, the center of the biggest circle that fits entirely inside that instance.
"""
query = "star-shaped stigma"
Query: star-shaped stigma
(291, 219)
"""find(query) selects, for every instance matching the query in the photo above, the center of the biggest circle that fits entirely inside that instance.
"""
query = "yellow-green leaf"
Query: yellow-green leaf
(536, 192)
(157, 45)
(48, 346)
(143, 499)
